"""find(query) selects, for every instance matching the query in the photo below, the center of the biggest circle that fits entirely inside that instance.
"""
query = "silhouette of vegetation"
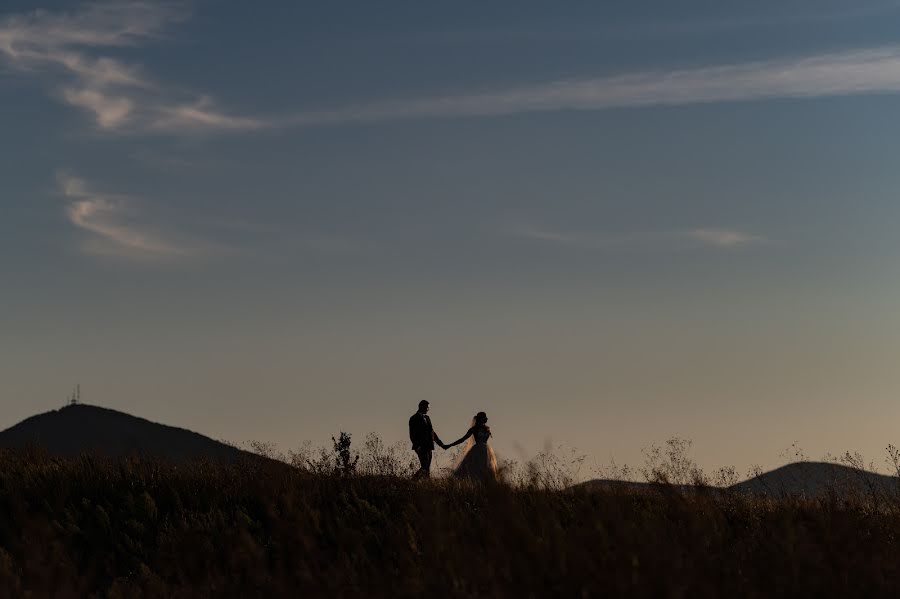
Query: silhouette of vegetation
(344, 462)
(333, 522)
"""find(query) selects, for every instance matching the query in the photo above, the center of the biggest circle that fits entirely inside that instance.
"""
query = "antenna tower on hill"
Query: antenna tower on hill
(75, 398)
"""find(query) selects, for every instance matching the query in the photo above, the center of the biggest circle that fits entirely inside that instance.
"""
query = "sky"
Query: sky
(604, 224)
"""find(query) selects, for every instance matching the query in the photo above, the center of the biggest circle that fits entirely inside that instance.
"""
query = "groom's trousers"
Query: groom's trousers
(425, 462)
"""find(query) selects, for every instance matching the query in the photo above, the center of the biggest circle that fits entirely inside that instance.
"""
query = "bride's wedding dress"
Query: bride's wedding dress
(479, 462)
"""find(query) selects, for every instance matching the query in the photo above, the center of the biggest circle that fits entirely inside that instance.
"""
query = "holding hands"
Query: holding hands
(446, 446)
(477, 461)
(441, 444)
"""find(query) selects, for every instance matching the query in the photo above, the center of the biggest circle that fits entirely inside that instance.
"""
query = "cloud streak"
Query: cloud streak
(723, 238)
(117, 225)
(714, 238)
(119, 97)
(105, 217)
(837, 74)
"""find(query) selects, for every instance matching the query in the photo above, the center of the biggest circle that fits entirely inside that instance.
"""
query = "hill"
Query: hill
(814, 479)
(80, 428)
(801, 479)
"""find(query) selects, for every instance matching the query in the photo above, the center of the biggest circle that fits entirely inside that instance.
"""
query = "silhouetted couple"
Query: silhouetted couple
(477, 462)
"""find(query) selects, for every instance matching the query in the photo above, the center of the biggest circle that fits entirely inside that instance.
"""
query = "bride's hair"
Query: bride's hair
(480, 419)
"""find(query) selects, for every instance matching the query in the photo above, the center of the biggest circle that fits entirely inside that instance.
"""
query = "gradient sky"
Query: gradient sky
(604, 226)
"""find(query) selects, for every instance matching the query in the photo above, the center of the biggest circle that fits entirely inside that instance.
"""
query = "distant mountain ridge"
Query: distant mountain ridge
(814, 479)
(80, 428)
(806, 479)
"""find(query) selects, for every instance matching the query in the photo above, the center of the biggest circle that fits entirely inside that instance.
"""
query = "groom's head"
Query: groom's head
(423, 407)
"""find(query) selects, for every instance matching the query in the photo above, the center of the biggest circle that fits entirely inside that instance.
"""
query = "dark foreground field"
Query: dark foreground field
(143, 528)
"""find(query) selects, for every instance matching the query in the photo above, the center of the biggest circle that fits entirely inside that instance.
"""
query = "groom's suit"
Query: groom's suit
(422, 435)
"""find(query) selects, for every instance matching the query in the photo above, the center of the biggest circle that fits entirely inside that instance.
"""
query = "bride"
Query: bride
(478, 462)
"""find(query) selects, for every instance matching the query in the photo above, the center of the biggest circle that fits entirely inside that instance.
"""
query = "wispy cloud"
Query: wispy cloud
(843, 73)
(698, 238)
(110, 111)
(105, 217)
(118, 96)
(202, 114)
(723, 238)
(123, 226)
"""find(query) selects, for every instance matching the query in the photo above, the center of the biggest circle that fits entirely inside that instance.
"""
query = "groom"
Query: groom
(423, 437)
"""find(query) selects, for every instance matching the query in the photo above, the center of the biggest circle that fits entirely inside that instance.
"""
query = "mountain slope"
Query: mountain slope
(817, 478)
(80, 428)
(808, 479)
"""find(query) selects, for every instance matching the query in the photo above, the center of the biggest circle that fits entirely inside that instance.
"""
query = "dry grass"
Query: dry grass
(145, 528)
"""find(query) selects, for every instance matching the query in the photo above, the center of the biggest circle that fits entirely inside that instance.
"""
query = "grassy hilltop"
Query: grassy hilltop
(142, 527)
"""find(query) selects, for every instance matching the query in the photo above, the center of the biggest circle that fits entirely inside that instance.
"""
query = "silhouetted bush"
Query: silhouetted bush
(344, 461)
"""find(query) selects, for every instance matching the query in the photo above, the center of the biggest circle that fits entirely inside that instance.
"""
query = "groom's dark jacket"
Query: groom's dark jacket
(421, 433)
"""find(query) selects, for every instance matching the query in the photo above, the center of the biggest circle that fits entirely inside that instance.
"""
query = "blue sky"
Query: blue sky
(603, 225)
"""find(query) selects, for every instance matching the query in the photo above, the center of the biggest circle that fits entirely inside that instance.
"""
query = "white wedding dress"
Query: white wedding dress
(478, 462)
